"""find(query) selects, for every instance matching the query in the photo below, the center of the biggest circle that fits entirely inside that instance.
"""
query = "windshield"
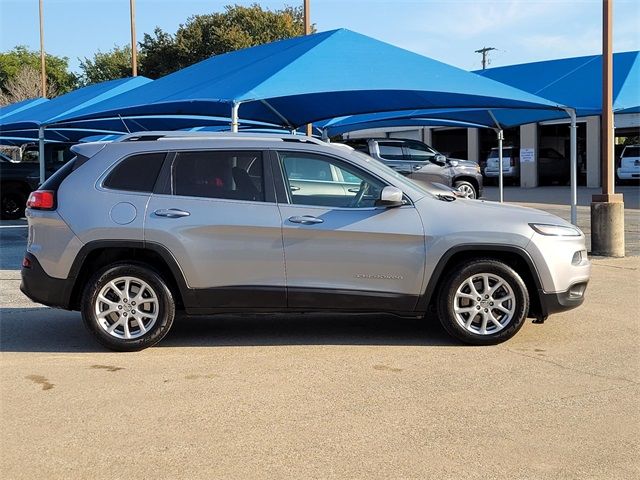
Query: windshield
(631, 152)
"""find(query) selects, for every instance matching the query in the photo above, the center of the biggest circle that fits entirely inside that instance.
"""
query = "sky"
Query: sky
(450, 31)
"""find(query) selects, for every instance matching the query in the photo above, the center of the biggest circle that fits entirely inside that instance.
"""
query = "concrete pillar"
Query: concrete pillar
(426, 135)
(607, 228)
(529, 170)
(473, 144)
(593, 151)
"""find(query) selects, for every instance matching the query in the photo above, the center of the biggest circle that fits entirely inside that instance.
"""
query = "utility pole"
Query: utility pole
(485, 55)
(607, 208)
(307, 31)
(134, 44)
(43, 70)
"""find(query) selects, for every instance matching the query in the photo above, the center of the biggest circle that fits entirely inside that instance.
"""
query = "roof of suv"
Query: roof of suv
(160, 140)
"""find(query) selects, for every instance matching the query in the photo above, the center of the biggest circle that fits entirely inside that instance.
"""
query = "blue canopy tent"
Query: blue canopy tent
(115, 126)
(40, 116)
(17, 107)
(576, 82)
(305, 79)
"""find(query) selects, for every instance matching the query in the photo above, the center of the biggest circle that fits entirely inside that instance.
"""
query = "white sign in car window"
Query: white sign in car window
(527, 155)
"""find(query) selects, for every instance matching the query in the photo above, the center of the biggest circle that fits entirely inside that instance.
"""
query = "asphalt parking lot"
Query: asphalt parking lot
(324, 397)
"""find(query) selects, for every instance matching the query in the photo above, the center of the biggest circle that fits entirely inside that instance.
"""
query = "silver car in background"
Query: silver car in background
(423, 164)
(132, 231)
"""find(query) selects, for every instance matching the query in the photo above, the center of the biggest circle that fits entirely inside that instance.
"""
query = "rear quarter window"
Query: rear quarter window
(137, 173)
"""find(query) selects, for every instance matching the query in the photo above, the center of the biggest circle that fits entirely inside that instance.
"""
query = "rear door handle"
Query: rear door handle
(306, 220)
(171, 213)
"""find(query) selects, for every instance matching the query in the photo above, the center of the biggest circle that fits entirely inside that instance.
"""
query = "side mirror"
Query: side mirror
(390, 197)
(440, 159)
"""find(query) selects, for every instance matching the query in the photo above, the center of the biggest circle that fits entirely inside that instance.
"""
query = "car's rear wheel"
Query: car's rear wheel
(483, 302)
(13, 203)
(466, 188)
(128, 307)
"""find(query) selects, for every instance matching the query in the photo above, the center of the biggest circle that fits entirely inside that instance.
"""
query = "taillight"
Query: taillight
(41, 200)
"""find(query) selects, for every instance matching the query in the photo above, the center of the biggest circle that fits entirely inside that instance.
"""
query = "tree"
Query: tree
(24, 85)
(203, 36)
(104, 66)
(159, 54)
(13, 62)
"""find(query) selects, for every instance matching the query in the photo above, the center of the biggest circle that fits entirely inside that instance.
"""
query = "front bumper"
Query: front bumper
(41, 288)
(562, 301)
(480, 180)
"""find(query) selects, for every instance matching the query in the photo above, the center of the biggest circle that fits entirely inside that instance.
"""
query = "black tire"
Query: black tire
(464, 183)
(165, 307)
(13, 202)
(447, 295)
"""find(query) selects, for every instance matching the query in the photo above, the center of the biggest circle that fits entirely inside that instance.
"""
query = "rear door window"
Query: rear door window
(137, 173)
(233, 175)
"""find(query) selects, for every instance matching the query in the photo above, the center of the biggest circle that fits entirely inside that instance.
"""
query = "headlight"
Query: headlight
(478, 168)
(555, 230)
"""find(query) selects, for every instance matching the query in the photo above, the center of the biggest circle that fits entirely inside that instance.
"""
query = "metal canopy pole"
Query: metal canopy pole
(234, 117)
(500, 133)
(573, 148)
(41, 153)
(500, 177)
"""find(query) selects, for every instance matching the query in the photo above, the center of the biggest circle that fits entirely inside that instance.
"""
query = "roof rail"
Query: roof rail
(182, 135)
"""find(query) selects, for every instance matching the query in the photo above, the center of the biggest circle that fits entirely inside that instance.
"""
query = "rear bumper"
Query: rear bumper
(506, 172)
(41, 288)
(562, 301)
(628, 173)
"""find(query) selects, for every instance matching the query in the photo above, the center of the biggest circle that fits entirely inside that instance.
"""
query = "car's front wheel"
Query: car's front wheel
(466, 188)
(127, 307)
(483, 302)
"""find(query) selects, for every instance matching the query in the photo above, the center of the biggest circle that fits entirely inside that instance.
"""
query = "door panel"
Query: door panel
(366, 259)
(429, 172)
(348, 254)
(229, 250)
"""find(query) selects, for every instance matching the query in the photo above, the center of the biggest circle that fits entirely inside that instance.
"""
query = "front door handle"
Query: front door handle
(306, 220)
(171, 213)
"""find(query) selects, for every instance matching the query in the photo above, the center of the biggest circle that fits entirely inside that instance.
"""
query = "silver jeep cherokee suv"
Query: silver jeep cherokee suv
(129, 232)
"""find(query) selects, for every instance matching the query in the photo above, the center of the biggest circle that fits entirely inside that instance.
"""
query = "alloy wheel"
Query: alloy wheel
(467, 190)
(127, 308)
(484, 304)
